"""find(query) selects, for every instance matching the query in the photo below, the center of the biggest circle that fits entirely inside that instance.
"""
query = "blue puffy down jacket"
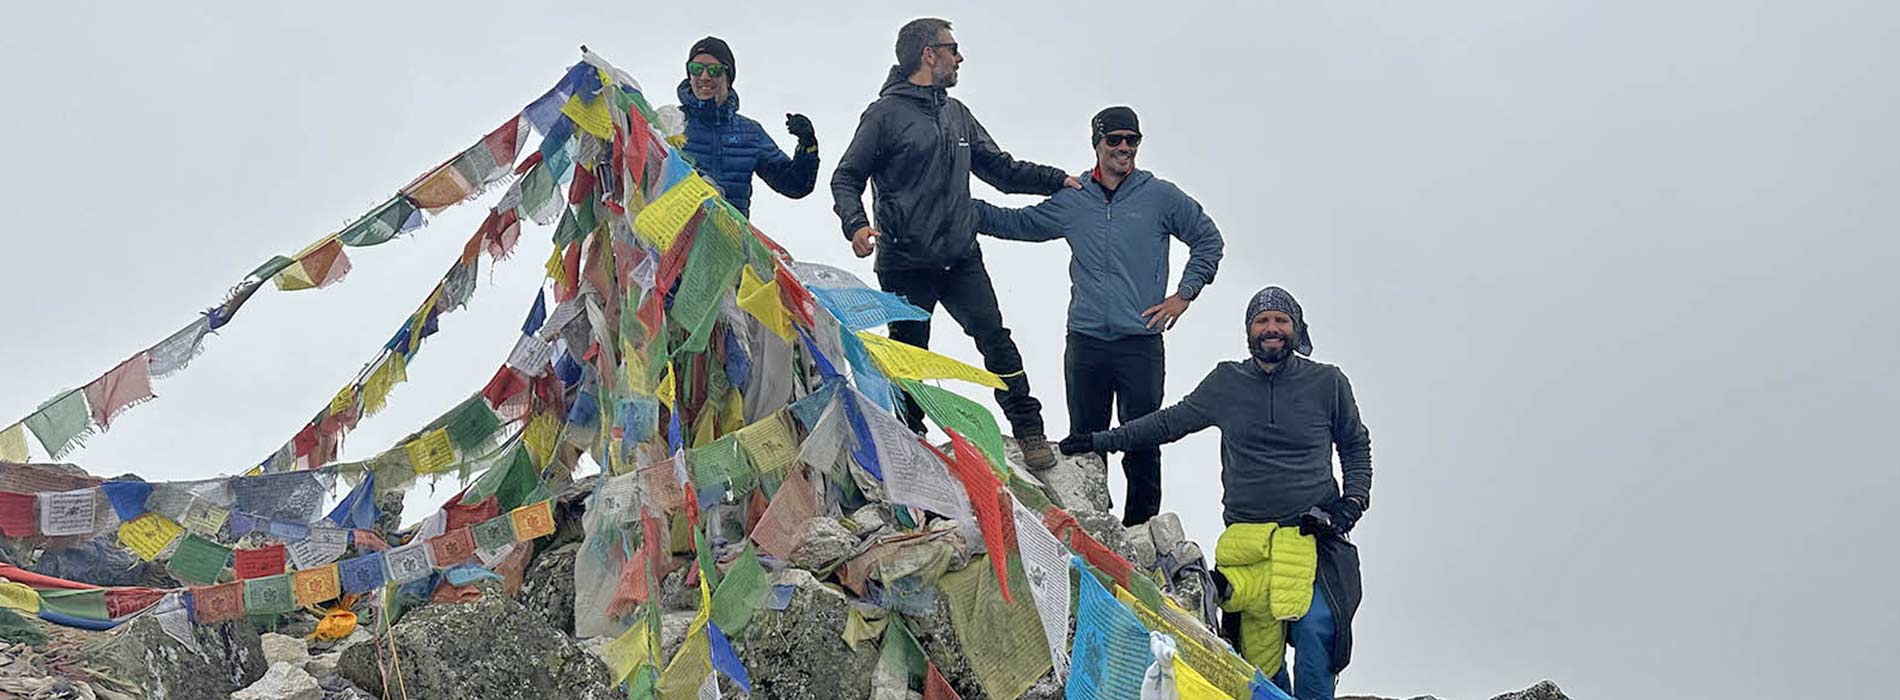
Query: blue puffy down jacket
(727, 148)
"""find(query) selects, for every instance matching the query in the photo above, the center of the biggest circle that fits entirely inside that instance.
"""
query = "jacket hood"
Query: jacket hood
(707, 108)
(898, 84)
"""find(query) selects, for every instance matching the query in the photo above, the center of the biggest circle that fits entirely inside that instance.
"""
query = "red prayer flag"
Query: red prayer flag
(936, 687)
(505, 385)
(121, 602)
(218, 603)
(18, 517)
(260, 562)
(504, 142)
(1065, 528)
(980, 483)
(460, 516)
(452, 547)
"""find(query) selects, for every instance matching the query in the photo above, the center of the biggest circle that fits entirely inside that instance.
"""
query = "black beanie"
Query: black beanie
(1113, 119)
(718, 48)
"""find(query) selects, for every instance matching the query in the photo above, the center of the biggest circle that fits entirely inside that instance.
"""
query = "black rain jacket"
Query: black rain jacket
(917, 147)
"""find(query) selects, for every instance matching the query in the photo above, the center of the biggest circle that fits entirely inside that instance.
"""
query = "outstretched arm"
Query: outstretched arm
(1192, 415)
(993, 165)
(1041, 222)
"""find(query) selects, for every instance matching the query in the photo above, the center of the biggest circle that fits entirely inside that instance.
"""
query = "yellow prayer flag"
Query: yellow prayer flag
(344, 400)
(19, 596)
(591, 116)
(1213, 664)
(905, 361)
(626, 652)
(760, 299)
(661, 221)
(540, 436)
(533, 520)
(732, 412)
(1192, 686)
(431, 453)
(556, 267)
(682, 677)
(664, 392)
(148, 534)
(13, 444)
(394, 370)
(770, 442)
(312, 586)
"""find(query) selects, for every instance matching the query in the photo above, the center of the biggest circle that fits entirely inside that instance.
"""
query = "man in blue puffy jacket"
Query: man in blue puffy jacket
(726, 147)
(1118, 228)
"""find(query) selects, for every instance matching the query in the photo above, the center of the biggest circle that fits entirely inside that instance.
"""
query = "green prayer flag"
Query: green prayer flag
(270, 594)
(1145, 590)
(569, 229)
(89, 604)
(537, 191)
(14, 629)
(472, 424)
(722, 463)
(1003, 641)
(61, 423)
(271, 267)
(198, 560)
(743, 591)
(711, 273)
(703, 554)
(970, 419)
(380, 225)
(494, 533)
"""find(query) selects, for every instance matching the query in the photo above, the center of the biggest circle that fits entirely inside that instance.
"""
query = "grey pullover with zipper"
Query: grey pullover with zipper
(1278, 434)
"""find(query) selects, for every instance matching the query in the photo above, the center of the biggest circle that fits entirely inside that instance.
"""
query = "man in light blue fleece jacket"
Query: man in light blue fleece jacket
(1117, 226)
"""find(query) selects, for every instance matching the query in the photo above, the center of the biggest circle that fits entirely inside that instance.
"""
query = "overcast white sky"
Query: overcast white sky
(1612, 279)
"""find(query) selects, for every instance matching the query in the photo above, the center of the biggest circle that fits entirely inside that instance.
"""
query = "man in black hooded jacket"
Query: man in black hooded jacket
(918, 147)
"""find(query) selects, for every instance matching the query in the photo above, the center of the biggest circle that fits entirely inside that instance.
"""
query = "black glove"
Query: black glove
(800, 126)
(1080, 443)
(1345, 512)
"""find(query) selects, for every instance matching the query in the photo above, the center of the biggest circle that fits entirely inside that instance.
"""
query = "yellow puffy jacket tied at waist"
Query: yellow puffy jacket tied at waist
(1271, 570)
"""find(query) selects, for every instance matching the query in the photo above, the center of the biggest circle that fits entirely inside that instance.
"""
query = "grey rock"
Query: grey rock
(1105, 528)
(548, 588)
(492, 648)
(102, 561)
(821, 542)
(284, 681)
(323, 664)
(1079, 481)
(1166, 533)
(673, 628)
(936, 632)
(675, 594)
(1544, 690)
(1143, 544)
(229, 657)
(285, 649)
(870, 518)
(799, 653)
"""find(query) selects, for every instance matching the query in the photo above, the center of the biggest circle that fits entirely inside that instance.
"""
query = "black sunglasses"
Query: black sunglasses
(951, 45)
(1114, 140)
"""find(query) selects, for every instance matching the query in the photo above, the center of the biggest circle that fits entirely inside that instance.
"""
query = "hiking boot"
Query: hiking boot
(1037, 454)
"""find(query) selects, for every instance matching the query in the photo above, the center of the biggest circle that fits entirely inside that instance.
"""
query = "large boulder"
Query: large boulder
(1075, 482)
(228, 657)
(548, 590)
(284, 681)
(492, 648)
(799, 653)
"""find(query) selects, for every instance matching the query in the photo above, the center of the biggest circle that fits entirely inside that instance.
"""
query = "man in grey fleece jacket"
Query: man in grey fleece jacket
(1118, 227)
(1281, 416)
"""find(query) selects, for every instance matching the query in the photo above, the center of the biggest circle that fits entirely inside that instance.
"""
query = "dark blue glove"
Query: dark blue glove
(1081, 443)
(1345, 512)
